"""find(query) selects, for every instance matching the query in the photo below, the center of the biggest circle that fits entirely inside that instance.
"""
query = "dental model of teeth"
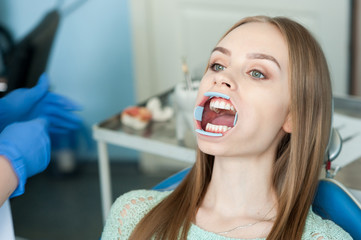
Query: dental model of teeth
(136, 117)
(159, 113)
(215, 115)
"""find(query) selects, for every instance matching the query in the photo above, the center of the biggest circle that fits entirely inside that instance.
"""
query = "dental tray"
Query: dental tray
(157, 138)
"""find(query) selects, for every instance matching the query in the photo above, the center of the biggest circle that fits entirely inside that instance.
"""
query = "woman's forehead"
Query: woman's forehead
(257, 37)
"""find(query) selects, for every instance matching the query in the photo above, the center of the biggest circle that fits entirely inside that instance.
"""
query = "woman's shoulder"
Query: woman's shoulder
(128, 210)
(137, 197)
(318, 228)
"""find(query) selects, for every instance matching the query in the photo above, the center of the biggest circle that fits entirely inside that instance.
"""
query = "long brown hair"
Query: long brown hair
(299, 156)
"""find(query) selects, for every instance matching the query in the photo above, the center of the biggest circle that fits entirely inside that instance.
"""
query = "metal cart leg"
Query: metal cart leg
(104, 176)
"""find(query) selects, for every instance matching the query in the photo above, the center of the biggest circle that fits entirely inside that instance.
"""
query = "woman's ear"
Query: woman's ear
(287, 125)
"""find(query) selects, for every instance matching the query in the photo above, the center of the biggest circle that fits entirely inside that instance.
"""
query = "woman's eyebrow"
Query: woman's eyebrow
(263, 56)
(222, 50)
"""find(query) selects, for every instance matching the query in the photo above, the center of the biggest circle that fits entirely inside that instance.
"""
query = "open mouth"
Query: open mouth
(215, 115)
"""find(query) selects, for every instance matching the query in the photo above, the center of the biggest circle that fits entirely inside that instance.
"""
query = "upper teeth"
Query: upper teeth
(217, 104)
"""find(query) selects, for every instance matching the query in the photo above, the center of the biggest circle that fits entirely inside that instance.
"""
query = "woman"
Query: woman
(263, 117)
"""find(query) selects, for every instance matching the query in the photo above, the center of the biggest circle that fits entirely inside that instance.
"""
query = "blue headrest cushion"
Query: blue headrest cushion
(334, 202)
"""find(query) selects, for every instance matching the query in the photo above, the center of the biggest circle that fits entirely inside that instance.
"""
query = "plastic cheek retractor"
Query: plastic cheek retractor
(216, 94)
(198, 113)
(235, 119)
(209, 133)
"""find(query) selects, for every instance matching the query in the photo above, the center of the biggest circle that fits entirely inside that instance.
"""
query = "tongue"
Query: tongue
(224, 120)
(217, 119)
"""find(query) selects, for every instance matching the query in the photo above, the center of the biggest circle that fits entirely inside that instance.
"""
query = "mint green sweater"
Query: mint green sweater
(131, 207)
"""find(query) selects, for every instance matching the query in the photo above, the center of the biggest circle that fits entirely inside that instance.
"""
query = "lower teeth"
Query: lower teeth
(216, 128)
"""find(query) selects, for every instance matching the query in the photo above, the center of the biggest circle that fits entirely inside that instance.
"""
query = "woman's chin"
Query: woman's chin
(214, 149)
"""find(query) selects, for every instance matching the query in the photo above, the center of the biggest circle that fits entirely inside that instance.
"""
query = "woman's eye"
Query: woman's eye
(257, 74)
(217, 67)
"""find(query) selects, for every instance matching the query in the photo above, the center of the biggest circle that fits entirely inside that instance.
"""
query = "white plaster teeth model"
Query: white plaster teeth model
(159, 113)
(136, 117)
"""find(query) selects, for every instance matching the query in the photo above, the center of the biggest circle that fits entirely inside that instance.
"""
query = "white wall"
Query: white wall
(91, 59)
(190, 28)
(357, 64)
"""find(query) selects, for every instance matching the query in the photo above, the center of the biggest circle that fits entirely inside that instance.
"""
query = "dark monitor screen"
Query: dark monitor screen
(29, 57)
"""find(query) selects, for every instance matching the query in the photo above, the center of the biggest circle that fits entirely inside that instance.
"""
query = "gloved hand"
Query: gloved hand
(28, 103)
(27, 147)
(58, 110)
(16, 105)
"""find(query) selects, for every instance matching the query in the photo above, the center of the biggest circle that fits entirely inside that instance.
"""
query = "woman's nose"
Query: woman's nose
(224, 81)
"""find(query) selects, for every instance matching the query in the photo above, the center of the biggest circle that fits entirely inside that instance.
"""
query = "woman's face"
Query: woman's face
(243, 99)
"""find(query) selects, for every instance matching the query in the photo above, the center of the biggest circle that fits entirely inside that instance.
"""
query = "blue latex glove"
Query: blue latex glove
(58, 110)
(28, 103)
(27, 147)
(16, 105)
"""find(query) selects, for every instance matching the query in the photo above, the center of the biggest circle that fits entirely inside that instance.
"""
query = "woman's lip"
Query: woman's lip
(203, 101)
